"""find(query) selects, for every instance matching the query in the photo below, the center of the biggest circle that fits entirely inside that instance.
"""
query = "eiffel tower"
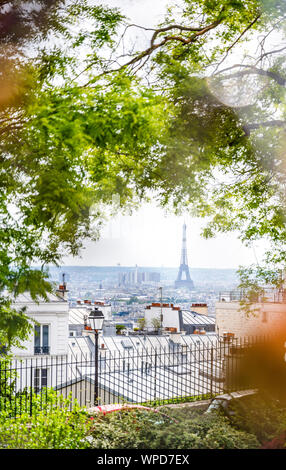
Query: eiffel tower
(184, 268)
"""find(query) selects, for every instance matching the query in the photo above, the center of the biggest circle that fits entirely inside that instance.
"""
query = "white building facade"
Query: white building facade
(50, 332)
(168, 315)
(47, 345)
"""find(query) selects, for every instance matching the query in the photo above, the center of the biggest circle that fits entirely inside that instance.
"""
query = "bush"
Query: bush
(276, 443)
(202, 431)
(53, 427)
(260, 415)
(120, 329)
(125, 429)
(148, 430)
(252, 422)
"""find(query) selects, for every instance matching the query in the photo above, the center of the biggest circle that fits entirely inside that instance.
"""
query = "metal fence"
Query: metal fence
(157, 376)
(267, 295)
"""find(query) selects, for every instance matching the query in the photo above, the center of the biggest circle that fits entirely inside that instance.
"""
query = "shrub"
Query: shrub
(253, 422)
(260, 415)
(125, 429)
(120, 329)
(202, 431)
(53, 427)
(276, 443)
(147, 430)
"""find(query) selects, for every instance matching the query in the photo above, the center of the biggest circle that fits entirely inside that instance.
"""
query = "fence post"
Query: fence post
(155, 376)
(212, 360)
(31, 391)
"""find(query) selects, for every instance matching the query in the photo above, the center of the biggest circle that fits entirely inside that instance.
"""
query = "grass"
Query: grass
(175, 400)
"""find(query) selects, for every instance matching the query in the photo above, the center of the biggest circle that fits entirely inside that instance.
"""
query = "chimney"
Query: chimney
(62, 290)
(200, 308)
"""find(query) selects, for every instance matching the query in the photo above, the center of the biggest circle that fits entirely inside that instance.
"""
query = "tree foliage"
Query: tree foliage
(83, 118)
(65, 149)
(221, 64)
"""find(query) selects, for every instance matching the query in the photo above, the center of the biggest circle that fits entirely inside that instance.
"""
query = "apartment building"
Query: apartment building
(266, 314)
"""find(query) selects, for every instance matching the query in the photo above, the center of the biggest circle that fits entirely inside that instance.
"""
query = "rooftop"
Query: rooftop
(84, 345)
(76, 315)
(140, 370)
(268, 295)
(26, 298)
(193, 318)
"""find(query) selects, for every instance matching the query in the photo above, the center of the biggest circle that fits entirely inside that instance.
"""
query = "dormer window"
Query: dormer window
(41, 343)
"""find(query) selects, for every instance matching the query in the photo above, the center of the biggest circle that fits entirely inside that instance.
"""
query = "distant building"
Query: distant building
(101, 305)
(170, 317)
(268, 314)
(78, 317)
(175, 320)
(136, 277)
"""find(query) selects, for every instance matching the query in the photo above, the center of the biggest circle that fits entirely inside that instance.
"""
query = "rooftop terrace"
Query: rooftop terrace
(268, 295)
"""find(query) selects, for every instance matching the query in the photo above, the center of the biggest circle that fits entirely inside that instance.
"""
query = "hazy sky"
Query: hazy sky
(142, 12)
(149, 237)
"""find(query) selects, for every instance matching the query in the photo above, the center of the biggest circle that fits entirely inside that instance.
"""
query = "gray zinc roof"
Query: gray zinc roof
(76, 315)
(193, 318)
(84, 345)
(26, 298)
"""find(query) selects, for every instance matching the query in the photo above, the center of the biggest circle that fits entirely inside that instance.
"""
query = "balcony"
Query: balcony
(42, 350)
(268, 295)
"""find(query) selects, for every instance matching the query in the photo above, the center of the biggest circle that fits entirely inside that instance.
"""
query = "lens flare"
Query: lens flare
(261, 363)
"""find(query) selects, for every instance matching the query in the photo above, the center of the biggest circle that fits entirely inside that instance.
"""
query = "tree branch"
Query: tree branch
(154, 46)
(275, 51)
(275, 123)
(251, 69)
(237, 40)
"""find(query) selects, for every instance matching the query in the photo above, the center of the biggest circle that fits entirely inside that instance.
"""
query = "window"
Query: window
(40, 379)
(41, 344)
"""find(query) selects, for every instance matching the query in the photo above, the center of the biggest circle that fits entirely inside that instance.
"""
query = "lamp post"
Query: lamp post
(96, 319)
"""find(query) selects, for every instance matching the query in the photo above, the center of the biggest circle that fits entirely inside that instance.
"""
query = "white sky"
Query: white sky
(149, 237)
(142, 12)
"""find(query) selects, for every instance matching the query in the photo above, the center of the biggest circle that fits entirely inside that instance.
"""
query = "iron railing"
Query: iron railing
(268, 295)
(41, 350)
(177, 373)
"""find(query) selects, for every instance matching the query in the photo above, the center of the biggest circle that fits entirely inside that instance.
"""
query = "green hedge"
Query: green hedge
(52, 425)
(148, 430)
